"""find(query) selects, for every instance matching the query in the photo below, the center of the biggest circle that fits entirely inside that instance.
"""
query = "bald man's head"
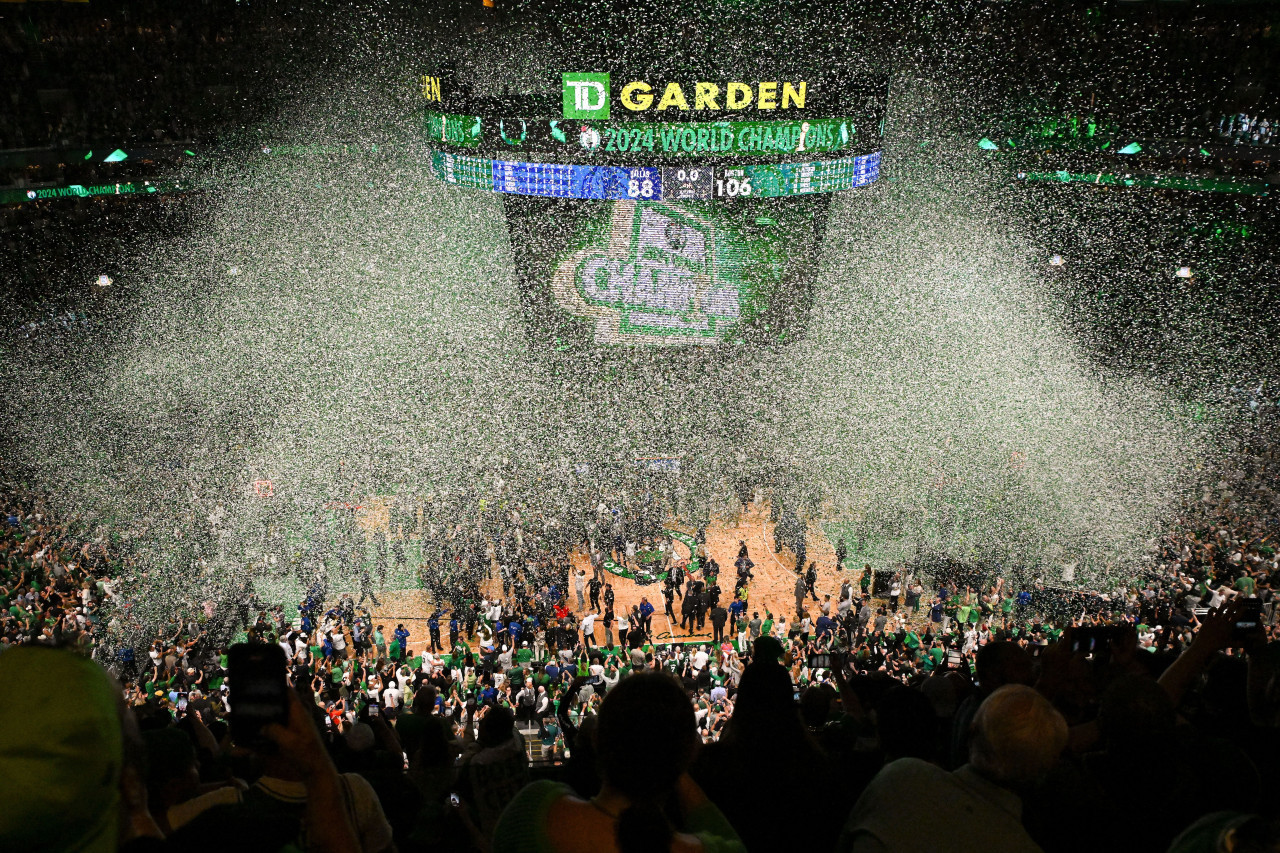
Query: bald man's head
(1017, 736)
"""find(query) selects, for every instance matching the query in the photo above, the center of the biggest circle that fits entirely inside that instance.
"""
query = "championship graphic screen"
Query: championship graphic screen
(659, 273)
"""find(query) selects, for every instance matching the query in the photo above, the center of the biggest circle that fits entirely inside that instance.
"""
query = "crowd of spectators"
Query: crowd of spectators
(1242, 128)
(76, 76)
(54, 253)
(1004, 712)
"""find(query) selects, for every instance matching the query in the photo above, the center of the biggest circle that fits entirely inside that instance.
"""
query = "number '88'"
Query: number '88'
(640, 189)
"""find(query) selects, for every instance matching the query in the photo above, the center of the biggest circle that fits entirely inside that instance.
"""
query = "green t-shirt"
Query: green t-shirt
(1246, 585)
(766, 628)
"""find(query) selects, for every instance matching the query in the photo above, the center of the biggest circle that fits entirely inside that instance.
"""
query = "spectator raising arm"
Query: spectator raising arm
(328, 827)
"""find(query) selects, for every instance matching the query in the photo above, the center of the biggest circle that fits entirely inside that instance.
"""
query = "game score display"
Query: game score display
(700, 182)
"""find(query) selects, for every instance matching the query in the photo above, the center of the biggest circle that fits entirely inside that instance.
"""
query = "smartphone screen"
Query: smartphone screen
(259, 691)
(1248, 617)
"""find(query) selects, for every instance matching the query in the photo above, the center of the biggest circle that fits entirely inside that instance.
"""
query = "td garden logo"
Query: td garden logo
(586, 95)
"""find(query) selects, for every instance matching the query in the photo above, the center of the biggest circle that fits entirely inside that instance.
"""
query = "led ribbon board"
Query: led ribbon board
(656, 183)
(594, 141)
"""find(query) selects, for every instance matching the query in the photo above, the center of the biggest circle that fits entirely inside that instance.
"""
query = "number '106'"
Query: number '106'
(733, 187)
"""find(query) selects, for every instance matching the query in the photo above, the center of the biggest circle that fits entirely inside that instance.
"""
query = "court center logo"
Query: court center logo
(586, 95)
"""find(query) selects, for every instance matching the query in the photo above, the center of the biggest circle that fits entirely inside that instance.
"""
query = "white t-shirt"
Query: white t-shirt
(391, 697)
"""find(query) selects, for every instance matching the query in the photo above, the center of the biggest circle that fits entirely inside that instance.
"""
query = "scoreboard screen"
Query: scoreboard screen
(653, 207)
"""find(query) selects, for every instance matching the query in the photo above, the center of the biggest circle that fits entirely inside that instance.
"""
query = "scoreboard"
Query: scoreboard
(700, 182)
(654, 210)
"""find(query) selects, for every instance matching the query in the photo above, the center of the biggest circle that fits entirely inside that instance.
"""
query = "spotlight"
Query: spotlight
(1056, 261)
(104, 280)
(1183, 272)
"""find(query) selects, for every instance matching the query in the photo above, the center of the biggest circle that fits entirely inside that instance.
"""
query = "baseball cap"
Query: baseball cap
(60, 734)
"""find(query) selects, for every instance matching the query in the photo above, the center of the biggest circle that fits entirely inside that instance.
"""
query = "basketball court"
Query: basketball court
(772, 590)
